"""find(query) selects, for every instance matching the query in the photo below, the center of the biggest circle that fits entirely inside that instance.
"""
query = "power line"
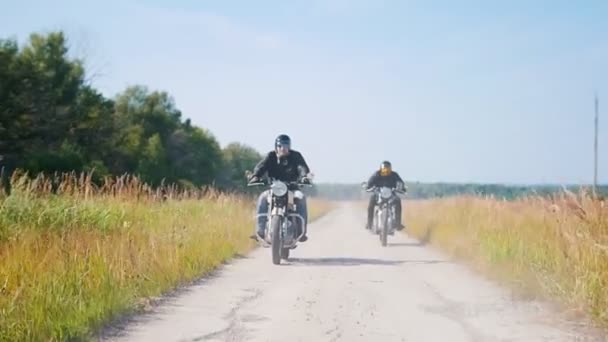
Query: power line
(595, 145)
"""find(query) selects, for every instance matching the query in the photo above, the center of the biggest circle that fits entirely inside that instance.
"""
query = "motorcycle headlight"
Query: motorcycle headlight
(386, 193)
(279, 189)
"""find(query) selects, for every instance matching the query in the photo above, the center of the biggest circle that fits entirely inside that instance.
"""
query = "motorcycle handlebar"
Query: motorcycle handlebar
(393, 189)
(288, 183)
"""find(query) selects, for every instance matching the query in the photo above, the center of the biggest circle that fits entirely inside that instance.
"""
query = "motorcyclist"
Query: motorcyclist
(385, 177)
(286, 165)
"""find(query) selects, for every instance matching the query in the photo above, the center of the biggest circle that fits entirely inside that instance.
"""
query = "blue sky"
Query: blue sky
(481, 91)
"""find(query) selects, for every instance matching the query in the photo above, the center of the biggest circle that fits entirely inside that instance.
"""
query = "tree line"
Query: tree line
(53, 120)
(418, 190)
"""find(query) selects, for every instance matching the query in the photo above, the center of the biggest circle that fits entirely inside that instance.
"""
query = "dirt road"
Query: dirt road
(342, 285)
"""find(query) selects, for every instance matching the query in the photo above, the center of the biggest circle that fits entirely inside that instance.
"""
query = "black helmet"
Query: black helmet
(283, 140)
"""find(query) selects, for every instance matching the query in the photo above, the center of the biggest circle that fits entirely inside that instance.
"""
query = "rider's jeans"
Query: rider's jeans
(262, 210)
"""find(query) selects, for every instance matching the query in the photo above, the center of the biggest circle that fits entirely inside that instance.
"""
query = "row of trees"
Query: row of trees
(419, 190)
(52, 119)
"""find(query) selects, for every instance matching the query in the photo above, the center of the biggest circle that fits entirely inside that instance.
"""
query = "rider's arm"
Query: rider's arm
(261, 168)
(302, 166)
(399, 181)
(371, 182)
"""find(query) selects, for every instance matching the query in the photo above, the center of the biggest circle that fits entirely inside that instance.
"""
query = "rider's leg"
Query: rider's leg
(398, 213)
(262, 214)
(302, 209)
(370, 211)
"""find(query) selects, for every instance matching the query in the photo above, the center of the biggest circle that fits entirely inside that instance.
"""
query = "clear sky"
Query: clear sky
(483, 91)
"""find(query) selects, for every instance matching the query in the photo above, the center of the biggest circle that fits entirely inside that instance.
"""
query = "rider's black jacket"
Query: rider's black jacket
(391, 181)
(287, 169)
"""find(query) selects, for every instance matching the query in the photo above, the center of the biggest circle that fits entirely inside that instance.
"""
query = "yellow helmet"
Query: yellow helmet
(385, 168)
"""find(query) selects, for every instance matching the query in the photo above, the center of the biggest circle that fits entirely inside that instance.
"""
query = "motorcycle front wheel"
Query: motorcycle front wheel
(275, 226)
(285, 253)
(384, 230)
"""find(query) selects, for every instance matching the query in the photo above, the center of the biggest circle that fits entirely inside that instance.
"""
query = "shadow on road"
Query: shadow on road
(405, 244)
(356, 262)
(423, 241)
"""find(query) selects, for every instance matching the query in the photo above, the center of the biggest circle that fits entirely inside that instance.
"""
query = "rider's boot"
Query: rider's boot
(399, 226)
(304, 238)
(259, 235)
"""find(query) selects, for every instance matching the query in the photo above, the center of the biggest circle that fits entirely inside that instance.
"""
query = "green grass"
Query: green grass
(71, 262)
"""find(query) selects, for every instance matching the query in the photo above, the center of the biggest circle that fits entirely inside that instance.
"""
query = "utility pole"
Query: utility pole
(595, 147)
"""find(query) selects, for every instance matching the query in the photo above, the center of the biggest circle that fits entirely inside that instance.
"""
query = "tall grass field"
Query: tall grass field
(74, 256)
(557, 247)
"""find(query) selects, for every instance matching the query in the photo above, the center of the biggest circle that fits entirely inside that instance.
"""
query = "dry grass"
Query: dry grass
(557, 247)
(74, 256)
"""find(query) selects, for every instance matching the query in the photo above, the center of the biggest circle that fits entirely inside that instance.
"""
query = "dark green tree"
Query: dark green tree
(238, 159)
(52, 120)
